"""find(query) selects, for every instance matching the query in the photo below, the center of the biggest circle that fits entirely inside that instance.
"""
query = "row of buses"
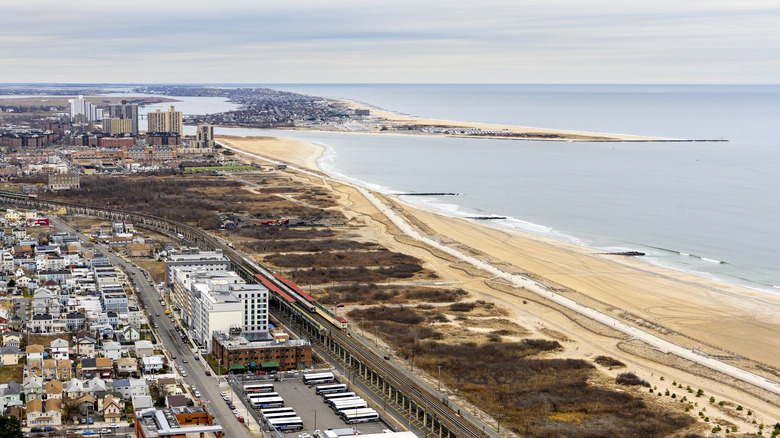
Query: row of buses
(347, 405)
(282, 418)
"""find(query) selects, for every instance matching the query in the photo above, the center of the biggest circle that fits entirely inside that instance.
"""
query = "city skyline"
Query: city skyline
(390, 42)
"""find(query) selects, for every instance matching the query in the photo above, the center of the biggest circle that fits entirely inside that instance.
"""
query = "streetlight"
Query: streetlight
(439, 366)
(315, 419)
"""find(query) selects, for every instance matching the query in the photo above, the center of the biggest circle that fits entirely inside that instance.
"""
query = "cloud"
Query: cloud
(396, 41)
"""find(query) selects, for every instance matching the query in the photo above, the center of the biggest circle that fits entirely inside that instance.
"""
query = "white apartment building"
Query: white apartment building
(212, 301)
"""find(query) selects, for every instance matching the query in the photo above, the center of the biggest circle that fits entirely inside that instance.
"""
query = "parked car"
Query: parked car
(105, 430)
(240, 419)
(113, 426)
(208, 373)
(197, 357)
(49, 429)
(36, 429)
(197, 394)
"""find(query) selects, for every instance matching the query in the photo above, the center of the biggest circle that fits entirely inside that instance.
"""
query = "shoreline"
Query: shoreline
(715, 309)
(532, 133)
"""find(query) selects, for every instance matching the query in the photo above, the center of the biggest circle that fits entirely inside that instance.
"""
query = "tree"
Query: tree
(10, 427)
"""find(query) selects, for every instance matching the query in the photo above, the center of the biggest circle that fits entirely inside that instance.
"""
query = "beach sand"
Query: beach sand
(530, 133)
(732, 322)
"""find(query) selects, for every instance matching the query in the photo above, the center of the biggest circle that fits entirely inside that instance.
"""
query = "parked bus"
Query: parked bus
(359, 416)
(276, 410)
(352, 405)
(341, 401)
(259, 387)
(328, 389)
(337, 396)
(262, 395)
(291, 423)
(271, 402)
(317, 378)
(279, 415)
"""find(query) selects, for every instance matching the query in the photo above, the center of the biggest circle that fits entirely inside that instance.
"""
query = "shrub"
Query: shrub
(607, 361)
(630, 379)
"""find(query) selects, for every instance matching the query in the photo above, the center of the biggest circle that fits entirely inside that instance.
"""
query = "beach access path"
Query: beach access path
(541, 290)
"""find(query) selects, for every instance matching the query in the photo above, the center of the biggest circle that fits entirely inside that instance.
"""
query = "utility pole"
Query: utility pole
(439, 366)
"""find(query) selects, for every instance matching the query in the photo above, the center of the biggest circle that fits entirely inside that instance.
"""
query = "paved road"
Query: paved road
(207, 385)
(541, 290)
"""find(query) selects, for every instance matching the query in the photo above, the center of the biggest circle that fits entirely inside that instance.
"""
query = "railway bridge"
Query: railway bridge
(420, 404)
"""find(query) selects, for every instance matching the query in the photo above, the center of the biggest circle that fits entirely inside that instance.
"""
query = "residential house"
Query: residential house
(144, 348)
(99, 366)
(122, 386)
(138, 387)
(74, 388)
(75, 321)
(126, 366)
(175, 401)
(167, 385)
(96, 387)
(54, 389)
(85, 346)
(33, 368)
(111, 409)
(49, 369)
(134, 316)
(87, 405)
(34, 352)
(32, 388)
(112, 350)
(10, 355)
(64, 369)
(142, 402)
(152, 363)
(42, 323)
(11, 394)
(59, 349)
(12, 339)
(129, 333)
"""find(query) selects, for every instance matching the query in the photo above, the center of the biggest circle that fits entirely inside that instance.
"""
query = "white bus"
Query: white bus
(271, 402)
(291, 423)
(252, 395)
(258, 387)
(328, 389)
(279, 415)
(359, 416)
(317, 378)
(276, 410)
(353, 405)
(337, 396)
(341, 401)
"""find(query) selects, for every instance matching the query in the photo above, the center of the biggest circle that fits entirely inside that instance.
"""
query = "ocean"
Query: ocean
(709, 208)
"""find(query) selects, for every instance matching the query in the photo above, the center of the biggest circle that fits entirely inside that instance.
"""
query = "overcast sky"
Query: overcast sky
(381, 41)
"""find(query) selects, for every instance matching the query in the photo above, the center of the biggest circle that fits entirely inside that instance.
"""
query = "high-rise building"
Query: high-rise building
(169, 121)
(80, 106)
(126, 111)
(205, 136)
(117, 126)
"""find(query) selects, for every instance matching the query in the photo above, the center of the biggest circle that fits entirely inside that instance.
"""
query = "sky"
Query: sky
(398, 41)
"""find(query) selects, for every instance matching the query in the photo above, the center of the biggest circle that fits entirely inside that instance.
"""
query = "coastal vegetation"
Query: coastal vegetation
(535, 394)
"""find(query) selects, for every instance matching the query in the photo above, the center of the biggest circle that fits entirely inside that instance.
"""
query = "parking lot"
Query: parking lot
(312, 409)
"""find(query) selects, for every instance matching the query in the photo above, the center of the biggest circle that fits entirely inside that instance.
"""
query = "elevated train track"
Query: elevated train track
(417, 400)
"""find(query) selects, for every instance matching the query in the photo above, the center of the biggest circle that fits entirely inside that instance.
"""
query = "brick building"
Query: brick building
(237, 353)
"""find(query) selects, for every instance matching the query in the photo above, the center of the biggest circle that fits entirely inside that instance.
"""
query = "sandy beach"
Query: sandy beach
(736, 324)
(381, 117)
